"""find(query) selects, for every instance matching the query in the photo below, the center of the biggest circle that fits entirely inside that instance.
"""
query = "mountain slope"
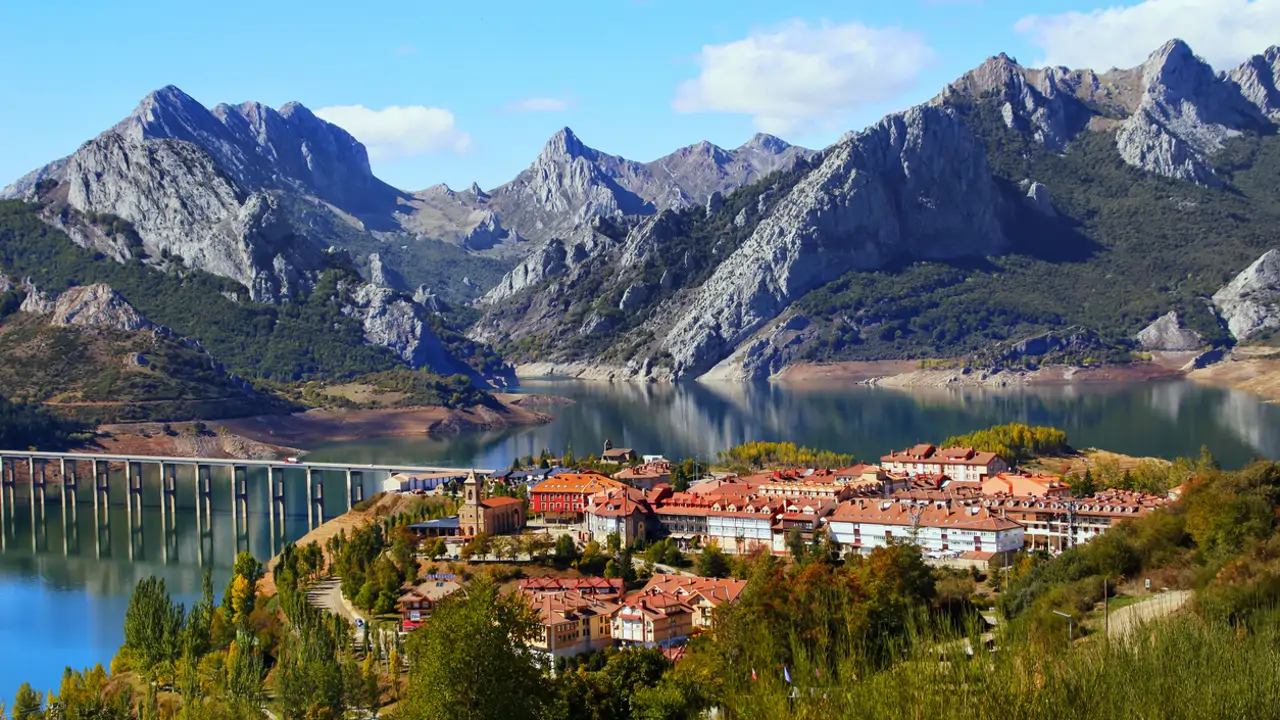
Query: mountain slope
(340, 328)
(1018, 202)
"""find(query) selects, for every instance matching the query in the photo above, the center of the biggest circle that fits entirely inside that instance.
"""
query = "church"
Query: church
(494, 515)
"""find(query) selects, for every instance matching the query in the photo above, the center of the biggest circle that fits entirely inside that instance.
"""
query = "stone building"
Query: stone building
(494, 515)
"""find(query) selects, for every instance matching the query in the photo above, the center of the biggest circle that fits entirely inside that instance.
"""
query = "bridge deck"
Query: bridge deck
(228, 462)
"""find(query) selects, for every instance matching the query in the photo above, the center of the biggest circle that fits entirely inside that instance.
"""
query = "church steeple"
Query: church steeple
(471, 489)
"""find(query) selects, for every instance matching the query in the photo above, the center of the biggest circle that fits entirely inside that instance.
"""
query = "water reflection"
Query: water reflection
(1167, 419)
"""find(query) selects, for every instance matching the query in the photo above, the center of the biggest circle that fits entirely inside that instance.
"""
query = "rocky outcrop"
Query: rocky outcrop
(1258, 79)
(915, 186)
(550, 259)
(1038, 199)
(1250, 303)
(5, 283)
(486, 234)
(97, 306)
(1167, 333)
(1184, 116)
(383, 275)
(393, 320)
(36, 302)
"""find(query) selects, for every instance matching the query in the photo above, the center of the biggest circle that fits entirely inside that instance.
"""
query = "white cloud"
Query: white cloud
(397, 132)
(788, 78)
(1224, 32)
(540, 104)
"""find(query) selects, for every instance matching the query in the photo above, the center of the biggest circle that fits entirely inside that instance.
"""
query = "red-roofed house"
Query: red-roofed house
(964, 464)
(624, 511)
(1030, 485)
(701, 594)
(564, 497)
(652, 618)
(604, 588)
(572, 623)
(645, 476)
(940, 528)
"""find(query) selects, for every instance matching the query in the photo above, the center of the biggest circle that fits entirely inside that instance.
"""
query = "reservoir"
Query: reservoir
(65, 579)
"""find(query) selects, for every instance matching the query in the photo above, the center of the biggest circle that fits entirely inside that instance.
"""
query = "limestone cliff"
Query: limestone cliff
(915, 186)
(97, 306)
(1250, 303)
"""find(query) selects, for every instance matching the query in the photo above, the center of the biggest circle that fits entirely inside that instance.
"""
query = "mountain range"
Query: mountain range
(942, 230)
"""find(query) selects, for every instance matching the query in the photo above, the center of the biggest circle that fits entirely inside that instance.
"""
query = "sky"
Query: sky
(462, 91)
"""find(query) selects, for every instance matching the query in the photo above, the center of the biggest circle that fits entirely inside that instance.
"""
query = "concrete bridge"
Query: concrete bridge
(68, 470)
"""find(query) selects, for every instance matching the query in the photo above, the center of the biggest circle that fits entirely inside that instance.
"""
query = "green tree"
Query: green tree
(153, 627)
(712, 562)
(473, 662)
(566, 549)
(796, 545)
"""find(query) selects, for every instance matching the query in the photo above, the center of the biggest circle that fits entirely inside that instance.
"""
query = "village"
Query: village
(963, 508)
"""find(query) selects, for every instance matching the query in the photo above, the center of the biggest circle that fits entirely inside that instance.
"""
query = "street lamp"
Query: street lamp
(1071, 635)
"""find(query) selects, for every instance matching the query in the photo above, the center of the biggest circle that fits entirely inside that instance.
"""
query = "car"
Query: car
(359, 623)
(293, 461)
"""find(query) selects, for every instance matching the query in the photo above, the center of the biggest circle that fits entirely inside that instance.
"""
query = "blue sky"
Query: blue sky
(456, 92)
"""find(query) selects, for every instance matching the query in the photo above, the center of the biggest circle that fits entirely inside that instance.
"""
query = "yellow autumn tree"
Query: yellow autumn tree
(241, 600)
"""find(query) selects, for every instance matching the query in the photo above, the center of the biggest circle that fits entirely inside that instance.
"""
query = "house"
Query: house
(1023, 484)
(611, 454)
(958, 463)
(564, 497)
(493, 515)
(652, 619)
(624, 511)
(701, 594)
(941, 528)
(572, 623)
(417, 604)
(741, 525)
(803, 515)
(683, 518)
(645, 476)
(603, 588)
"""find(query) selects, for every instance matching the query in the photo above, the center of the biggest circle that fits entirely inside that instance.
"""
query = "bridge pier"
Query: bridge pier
(101, 490)
(168, 494)
(204, 496)
(7, 483)
(239, 493)
(133, 483)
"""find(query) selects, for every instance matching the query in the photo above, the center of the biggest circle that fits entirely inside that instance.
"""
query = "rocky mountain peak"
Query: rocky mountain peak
(767, 143)
(1258, 79)
(476, 190)
(565, 144)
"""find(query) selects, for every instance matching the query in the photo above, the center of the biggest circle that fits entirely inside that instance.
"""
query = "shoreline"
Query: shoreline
(275, 437)
(315, 427)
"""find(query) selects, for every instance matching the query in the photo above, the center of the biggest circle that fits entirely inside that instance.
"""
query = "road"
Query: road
(327, 595)
(1127, 619)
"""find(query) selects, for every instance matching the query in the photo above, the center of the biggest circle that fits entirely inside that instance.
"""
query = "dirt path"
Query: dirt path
(1127, 619)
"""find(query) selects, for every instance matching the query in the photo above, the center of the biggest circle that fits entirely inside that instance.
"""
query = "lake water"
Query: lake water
(64, 585)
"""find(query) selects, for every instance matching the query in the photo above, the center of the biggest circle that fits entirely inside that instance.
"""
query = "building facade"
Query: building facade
(940, 529)
(495, 515)
(963, 464)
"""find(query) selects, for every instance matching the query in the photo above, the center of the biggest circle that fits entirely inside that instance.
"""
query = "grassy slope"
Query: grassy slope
(89, 374)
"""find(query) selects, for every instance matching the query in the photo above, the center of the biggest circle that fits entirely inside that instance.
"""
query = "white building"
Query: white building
(963, 464)
(941, 529)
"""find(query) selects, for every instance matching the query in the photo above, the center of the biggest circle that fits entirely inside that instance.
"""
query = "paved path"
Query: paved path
(1129, 618)
(327, 595)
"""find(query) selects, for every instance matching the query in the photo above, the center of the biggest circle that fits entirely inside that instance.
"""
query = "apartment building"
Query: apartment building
(940, 528)
(964, 464)
(572, 623)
